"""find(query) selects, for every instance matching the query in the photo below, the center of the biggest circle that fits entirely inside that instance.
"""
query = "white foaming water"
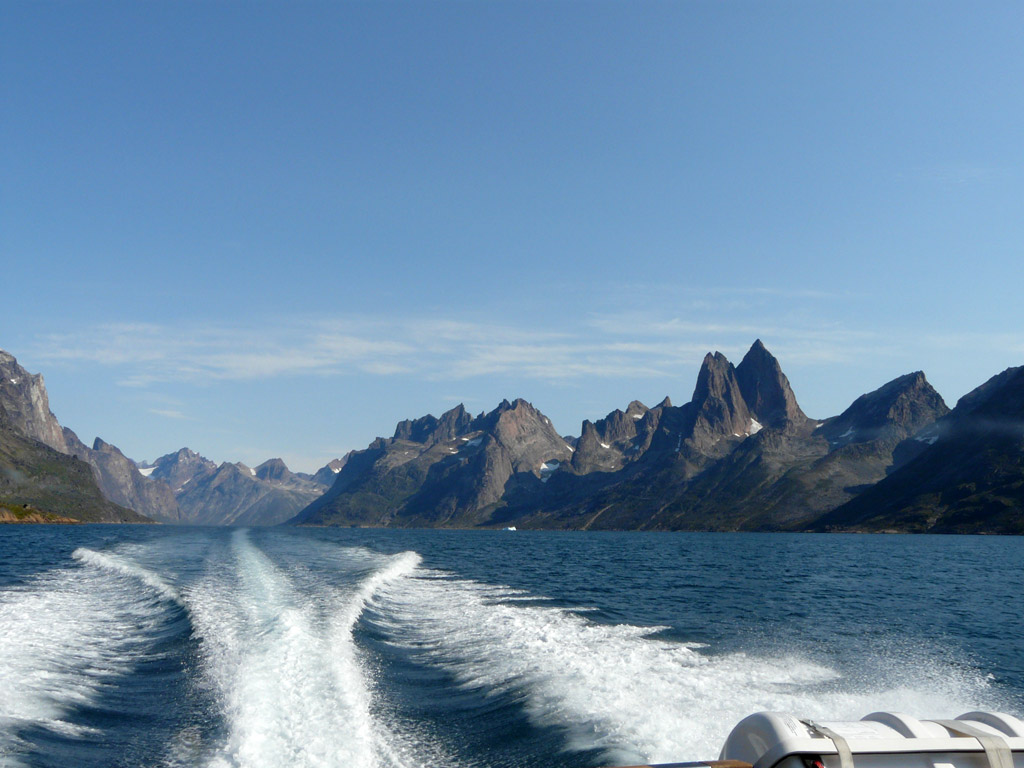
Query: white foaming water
(67, 634)
(287, 669)
(130, 569)
(616, 688)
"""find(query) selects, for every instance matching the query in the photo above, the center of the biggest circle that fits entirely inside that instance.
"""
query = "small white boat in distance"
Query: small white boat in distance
(880, 740)
(510, 528)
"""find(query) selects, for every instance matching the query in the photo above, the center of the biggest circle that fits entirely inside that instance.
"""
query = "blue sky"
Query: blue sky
(275, 229)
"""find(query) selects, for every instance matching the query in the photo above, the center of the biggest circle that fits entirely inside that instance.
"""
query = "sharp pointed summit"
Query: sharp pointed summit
(766, 389)
(718, 400)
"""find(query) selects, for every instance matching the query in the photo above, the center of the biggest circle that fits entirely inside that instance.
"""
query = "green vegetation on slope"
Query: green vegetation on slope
(52, 483)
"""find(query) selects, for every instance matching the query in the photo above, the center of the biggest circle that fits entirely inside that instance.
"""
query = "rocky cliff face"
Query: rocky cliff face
(180, 468)
(717, 409)
(428, 430)
(26, 404)
(610, 443)
(766, 391)
(121, 481)
(790, 473)
(234, 494)
(890, 414)
(48, 484)
(962, 474)
(26, 410)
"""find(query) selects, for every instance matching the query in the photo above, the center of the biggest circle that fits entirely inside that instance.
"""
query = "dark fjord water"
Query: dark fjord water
(145, 646)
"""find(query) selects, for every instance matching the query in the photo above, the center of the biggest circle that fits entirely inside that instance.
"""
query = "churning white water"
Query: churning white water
(261, 650)
(67, 635)
(618, 688)
(286, 668)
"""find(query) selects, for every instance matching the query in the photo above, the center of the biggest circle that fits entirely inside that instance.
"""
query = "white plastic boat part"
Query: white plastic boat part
(880, 740)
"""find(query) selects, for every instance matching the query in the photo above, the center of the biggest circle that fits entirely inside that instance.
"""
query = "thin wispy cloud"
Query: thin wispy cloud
(956, 174)
(684, 340)
(634, 344)
(170, 413)
(150, 353)
(700, 297)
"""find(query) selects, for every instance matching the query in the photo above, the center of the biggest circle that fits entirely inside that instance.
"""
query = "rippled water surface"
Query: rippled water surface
(161, 646)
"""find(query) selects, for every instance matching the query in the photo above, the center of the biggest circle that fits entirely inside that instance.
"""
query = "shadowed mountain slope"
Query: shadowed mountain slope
(964, 474)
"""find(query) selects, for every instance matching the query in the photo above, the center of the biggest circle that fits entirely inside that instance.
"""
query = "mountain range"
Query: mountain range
(739, 455)
(233, 494)
(47, 467)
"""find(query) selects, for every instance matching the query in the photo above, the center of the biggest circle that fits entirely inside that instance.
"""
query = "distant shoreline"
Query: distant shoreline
(31, 516)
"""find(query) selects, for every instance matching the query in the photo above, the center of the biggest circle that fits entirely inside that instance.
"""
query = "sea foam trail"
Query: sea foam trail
(286, 668)
(617, 688)
(67, 635)
(127, 568)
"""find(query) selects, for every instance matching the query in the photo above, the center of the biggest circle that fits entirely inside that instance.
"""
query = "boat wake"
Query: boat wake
(315, 654)
(68, 636)
(621, 689)
(285, 666)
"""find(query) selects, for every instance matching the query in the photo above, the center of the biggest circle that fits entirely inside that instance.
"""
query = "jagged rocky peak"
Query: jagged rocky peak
(26, 405)
(1003, 394)
(328, 473)
(636, 410)
(273, 469)
(429, 430)
(416, 430)
(895, 410)
(605, 445)
(766, 389)
(102, 446)
(962, 474)
(719, 406)
(621, 425)
(913, 402)
(526, 435)
(593, 454)
(666, 403)
(453, 423)
(121, 481)
(518, 419)
(182, 458)
(488, 420)
(180, 467)
(242, 467)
